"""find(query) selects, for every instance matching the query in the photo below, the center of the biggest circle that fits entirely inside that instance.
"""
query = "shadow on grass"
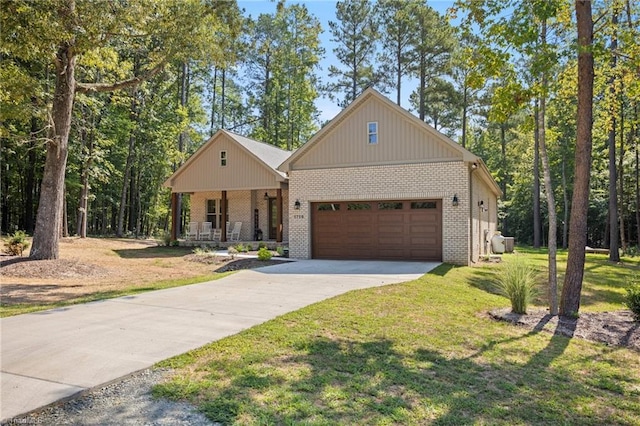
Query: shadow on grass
(484, 279)
(442, 270)
(336, 381)
(153, 252)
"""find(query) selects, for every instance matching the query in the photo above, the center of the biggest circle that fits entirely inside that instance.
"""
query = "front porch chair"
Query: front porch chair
(205, 234)
(217, 234)
(235, 232)
(192, 232)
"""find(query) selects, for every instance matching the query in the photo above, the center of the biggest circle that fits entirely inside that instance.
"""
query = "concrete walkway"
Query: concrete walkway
(52, 355)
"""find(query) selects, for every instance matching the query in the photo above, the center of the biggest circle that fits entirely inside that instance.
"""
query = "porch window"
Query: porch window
(223, 158)
(214, 212)
(372, 132)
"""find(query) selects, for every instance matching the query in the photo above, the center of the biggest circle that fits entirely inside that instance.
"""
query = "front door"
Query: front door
(273, 218)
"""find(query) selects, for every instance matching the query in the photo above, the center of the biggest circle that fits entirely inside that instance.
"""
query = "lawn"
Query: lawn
(421, 352)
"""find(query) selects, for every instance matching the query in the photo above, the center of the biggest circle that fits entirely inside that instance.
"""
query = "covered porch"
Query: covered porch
(253, 215)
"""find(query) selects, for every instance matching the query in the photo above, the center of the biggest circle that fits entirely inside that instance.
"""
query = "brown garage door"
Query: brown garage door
(386, 230)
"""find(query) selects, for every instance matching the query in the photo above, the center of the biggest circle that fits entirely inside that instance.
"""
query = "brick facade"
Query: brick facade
(241, 208)
(440, 180)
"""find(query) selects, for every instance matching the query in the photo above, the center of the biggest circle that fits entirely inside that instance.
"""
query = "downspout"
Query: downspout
(472, 168)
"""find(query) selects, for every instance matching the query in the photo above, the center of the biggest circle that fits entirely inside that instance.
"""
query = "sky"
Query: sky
(324, 10)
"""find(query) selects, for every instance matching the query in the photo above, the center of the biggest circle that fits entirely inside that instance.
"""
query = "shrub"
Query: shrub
(164, 238)
(203, 251)
(262, 244)
(517, 281)
(232, 252)
(632, 299)
(17, 243)
(280, 250)
(264, 254)
(241, 248)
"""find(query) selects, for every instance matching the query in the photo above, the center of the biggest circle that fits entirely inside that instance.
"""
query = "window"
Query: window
(223, 158)
(214, 212)
(328, 206)
(359, 206)
(372, 132)
(424, 205)
(390, 206)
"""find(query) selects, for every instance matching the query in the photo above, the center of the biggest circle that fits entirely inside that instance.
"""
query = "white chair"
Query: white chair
(192, 233)
(205, 234)
(235, 232)
(217, 234)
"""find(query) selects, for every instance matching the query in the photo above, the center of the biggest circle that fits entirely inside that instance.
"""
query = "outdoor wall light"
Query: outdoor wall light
(296, 205)
(266, 196)
(480, 203)
(454, 202)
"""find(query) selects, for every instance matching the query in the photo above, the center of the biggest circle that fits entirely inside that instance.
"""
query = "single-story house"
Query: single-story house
(374, 183)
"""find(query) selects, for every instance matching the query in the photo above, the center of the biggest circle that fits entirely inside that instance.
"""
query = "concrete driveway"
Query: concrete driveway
(52, 355)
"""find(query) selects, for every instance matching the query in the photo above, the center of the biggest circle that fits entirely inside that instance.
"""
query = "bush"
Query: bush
(17, 243)
(264, 254)
(517, 281)
(241, 248)
(280, 250)
(632, 299)
(262, 244)
(232, 252)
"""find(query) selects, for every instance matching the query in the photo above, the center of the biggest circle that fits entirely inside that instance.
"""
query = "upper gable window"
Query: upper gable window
(223, 158)
(372, 132)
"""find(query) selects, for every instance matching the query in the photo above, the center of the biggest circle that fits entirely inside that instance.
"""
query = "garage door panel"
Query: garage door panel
(382, 232)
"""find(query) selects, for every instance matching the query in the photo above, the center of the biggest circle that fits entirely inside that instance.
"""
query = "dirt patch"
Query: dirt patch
(616, 328)
(102, 265)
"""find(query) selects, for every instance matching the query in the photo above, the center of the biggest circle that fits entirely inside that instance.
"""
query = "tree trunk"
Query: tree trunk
(213, 101)
(565, 201)
(548, 190)
(572, 288)
(537, 227)
(31, 177)
(622, 214)
(83, 208)
(614, 231)
(49, 218)
(133, 116)
(465, 97)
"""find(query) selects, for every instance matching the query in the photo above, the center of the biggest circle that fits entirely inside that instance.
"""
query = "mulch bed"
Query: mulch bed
(59, 268)
(227, 263)
(616, 328)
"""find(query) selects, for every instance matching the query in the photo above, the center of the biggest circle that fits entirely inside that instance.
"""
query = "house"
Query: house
(231, 178)
(374, 183)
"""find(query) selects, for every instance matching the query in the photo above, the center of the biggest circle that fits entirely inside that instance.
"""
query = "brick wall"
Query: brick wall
(241, 207)
(391, 182)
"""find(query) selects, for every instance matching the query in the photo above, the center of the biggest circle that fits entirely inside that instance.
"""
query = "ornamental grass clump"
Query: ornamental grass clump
(517, 281)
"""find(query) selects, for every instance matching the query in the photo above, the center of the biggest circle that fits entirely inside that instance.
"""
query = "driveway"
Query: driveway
(55, 354)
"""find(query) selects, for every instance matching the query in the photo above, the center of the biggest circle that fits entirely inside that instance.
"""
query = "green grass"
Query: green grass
(18, 309)
(421, 352)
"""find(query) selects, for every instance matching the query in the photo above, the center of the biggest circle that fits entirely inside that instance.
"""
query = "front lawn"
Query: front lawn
(422, 352)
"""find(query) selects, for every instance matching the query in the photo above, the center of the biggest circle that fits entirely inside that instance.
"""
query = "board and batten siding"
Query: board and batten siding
(400, 141)
(242, 172)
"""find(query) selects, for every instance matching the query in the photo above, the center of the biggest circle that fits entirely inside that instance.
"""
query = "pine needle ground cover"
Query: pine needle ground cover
(422, 352)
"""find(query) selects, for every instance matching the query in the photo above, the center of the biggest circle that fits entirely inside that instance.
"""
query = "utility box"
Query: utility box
(497, 244)
(509, 243)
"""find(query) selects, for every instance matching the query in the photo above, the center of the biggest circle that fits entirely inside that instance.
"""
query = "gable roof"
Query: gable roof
(369, 95)
(268, 156)
(447, 149)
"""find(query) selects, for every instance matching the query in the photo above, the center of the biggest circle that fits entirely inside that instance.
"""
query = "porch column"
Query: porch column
(279, 215)
(223, 225)
(174, 214)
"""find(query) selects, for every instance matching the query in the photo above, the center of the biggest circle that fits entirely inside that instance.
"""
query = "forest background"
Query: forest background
(495, 76)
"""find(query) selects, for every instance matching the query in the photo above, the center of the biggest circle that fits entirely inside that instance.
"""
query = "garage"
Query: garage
(380, 230)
